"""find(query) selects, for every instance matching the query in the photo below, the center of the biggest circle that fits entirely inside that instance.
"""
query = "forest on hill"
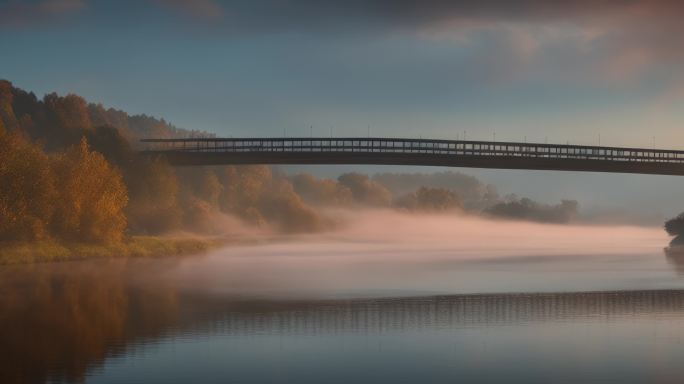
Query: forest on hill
(70, 173)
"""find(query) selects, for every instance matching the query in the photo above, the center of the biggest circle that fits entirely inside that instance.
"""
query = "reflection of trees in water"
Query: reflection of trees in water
(60, 321)
(675, 253)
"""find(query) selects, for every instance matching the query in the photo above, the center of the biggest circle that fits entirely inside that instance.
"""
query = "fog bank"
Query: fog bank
(383, 252)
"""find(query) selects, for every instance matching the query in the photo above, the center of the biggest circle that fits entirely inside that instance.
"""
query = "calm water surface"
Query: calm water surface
(344, 309)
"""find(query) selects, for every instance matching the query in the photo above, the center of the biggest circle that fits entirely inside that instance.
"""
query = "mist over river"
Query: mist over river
(384, 253)
(389, 297)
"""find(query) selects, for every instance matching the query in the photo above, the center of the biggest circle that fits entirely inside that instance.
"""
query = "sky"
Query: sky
(530, 70)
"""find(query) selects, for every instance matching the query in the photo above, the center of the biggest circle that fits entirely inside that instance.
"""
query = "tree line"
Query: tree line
(69, 171)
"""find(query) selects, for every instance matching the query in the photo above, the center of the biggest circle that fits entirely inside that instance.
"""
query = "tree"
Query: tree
(527, 209)
(92, 197)
(202, 183)
(243, 189)
(366, 191)
(7, 116)
(153, 190)
(27, 189)
(675, 226)
(321, 191)
(69, 113)
(284, 208)
(431, 199)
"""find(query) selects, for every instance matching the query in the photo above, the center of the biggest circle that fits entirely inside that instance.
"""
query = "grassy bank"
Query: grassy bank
(136, 246)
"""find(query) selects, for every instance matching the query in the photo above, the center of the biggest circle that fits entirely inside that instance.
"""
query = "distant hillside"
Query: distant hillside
(61, 120)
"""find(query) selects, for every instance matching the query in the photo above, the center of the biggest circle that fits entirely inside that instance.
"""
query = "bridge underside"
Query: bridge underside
(193, 158)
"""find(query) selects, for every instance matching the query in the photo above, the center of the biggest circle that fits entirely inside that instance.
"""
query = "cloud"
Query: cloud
(615, 41)
(612, 41)
(621, 39)
(16, 13)
(197, 9)
(418, 14)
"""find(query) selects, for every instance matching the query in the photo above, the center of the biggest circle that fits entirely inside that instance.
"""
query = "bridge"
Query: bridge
(426, 152)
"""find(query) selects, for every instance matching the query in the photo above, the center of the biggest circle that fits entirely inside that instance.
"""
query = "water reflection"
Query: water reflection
(442, 312)
(61, 322)
(675, 254)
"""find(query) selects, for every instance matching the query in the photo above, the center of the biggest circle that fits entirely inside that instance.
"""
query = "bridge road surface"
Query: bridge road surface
(426, 152)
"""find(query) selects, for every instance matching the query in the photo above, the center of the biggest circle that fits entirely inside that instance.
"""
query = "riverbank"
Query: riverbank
(135, 246)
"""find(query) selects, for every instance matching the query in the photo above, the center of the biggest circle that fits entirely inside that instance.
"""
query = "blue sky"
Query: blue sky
(556, 71)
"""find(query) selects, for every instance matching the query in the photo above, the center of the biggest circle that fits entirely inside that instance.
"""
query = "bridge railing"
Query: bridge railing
(414, 146)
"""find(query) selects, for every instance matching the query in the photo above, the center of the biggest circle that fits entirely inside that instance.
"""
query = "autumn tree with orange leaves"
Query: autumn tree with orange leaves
(92, 196)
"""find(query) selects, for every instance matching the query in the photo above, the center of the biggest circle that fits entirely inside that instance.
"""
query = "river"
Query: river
(390, 299)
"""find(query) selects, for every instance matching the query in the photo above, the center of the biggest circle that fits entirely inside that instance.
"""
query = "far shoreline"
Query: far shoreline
(16, 253)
